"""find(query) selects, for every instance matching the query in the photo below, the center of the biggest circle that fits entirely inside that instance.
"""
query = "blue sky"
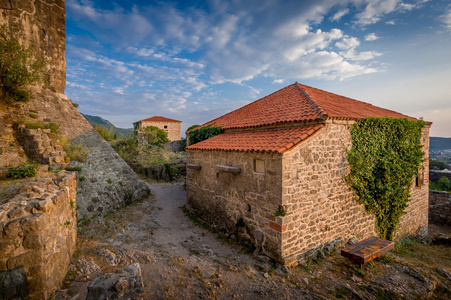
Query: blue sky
(196, 60)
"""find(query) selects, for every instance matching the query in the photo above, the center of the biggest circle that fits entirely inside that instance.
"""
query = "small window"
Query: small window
(165, 126)
(259, 166)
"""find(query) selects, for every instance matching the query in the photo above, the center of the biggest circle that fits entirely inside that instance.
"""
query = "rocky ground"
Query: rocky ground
(154, 250)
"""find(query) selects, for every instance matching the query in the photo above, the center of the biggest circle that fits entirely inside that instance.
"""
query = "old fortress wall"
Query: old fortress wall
(38, 233)
(41, 26)
(38, 226)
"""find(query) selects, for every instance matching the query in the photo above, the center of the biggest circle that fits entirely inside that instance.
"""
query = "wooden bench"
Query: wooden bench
(368, 249)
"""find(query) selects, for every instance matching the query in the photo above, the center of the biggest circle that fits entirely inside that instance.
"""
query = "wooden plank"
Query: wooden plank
(193, 166)
(368, 249)
(229, 169)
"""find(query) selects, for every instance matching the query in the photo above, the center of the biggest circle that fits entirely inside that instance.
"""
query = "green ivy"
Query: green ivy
(22, 171)
(385, 156)
(203, 133)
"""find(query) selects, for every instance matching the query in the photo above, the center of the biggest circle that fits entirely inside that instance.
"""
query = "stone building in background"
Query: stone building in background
(276, 176)
(172, 127)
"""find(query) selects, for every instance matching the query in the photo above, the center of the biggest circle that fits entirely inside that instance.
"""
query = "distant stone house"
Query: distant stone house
(172, 127)
(276, 176)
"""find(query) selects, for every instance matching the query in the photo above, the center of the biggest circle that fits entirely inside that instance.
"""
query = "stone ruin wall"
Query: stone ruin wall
(95, 194)
(37, 237)
(440, 207)
(321, 210)
(173, 129)
(41, 26)
(222, 198)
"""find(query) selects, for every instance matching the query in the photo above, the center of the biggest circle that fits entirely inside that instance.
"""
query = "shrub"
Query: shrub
(18, 67)
(443, 184)
(156, 136)
(76, 105)
(107, 134)
(76, 152)
(22, 171)
(33, 116)
(34, 125)
(70, 169)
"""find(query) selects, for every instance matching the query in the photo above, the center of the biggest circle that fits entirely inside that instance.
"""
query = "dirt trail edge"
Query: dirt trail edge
(180, 260)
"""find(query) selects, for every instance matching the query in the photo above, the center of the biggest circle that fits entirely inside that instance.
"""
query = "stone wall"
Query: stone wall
(435, 176)
(37, 240)
(244, 204)
(301, 203)
(175, 146)
(95, 195)
(415, 221)
(41, 26)
(172, 128)
(106, 182)
(42, 146)
(321, 209)
(440, 207)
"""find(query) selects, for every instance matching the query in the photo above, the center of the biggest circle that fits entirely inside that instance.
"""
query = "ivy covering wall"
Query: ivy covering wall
(203, 133)
(385, 156)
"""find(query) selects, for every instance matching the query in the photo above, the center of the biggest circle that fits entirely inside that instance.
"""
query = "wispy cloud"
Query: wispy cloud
(371, 37)
(340, 14)
(446, 19)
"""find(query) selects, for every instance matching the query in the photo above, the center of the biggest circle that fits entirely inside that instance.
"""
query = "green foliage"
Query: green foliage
(71, 169)
(385, 156)
(76, 152)
(53, 127)
(33, 116)
(76, 105)
(443, 184)
(437, 165)
(21, 171)
(192, 127)
(156, 136)
(18, 67)
(107, 134)
(203, 133)
(34, 125)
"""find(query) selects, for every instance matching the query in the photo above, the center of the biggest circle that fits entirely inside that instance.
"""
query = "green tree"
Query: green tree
(156, 136)
(385, 156)
(437, 165)
(444, 183)
(18, 67)
(203, 133)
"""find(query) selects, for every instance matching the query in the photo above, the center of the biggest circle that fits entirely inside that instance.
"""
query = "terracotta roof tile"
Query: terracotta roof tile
(158, 119)
(272, 140)
(299, 103)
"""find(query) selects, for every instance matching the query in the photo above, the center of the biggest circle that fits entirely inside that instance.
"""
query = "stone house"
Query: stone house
(172, 127)
(276, 176)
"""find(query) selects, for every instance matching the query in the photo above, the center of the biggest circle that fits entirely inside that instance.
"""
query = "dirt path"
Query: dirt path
(180, 260)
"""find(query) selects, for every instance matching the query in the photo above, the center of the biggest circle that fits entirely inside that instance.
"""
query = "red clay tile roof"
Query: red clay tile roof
(157, 119)
(299, 103)
(277, 140)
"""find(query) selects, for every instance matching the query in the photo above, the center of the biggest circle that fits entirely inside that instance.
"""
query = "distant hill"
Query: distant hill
(439, 143)
(96, 120)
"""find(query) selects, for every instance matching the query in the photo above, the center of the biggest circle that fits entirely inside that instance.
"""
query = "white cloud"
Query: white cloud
(371, 37)
(374, 10)
(446, 19)
(365, 55)
(348, 43)
(391, 22)
(278, 81)
(339, 14)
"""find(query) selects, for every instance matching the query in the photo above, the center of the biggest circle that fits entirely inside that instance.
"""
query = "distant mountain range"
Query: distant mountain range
(96, 120)
(439, 143)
